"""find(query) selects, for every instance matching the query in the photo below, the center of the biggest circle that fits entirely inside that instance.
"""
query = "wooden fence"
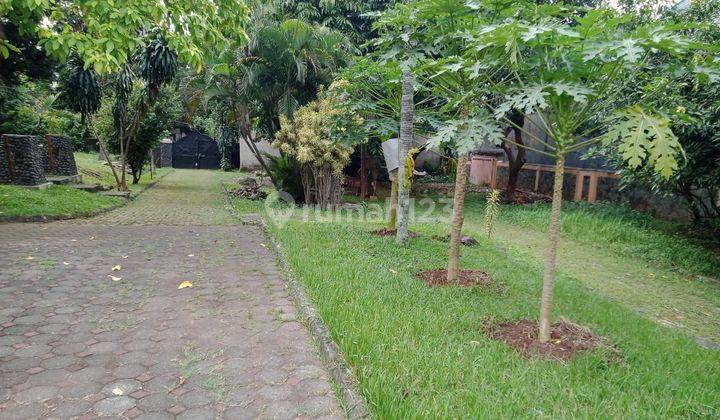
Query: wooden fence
(484, 171)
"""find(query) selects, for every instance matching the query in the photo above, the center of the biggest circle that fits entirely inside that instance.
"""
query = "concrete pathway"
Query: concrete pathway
(75, 342)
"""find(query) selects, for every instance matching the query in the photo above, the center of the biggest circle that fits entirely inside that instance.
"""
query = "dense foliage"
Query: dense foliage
(33, 108)
(691, 100)
(351, 17)
(282, 67)
(154, 127)
(307, 138)
(106, 35)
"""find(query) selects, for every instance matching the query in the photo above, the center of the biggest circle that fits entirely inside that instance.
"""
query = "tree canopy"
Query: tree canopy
(105, 35)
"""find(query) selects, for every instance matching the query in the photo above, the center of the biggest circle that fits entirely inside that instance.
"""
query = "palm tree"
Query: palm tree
(281, 68)
(407, 115)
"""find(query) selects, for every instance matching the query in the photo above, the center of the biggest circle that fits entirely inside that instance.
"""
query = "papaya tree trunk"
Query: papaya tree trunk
(549, 276)
(457, 221)
(392, 219)
(407, 114)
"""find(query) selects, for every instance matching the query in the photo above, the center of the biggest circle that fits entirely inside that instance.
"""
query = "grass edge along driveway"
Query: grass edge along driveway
(421, 352)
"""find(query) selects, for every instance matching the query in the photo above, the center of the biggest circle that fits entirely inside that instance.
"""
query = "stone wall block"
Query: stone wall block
(21, 161)
(59, 158)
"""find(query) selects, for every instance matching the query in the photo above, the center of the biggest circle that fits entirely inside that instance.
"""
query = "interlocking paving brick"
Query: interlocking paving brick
(114, 405)
(218, 349)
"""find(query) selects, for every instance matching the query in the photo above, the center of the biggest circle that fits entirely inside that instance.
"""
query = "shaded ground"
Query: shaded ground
(669, 297)
(75, 343)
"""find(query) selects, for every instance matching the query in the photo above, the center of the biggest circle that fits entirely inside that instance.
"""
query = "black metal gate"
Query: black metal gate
(196, 151)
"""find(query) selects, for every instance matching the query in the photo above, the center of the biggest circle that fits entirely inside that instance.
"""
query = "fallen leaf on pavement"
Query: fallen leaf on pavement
(117, 268)
(185, 284)
(125, 256)
(118, 391)
(114, 278)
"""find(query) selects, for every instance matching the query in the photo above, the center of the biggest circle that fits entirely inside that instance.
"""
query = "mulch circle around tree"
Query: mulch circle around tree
(466, 278)
(390, 232)
(566, 339)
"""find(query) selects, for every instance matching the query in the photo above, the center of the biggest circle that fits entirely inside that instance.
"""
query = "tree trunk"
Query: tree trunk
(143, 106)
(363, 173)
(109, 162)
(122, 185)
(457, 222)
(407, 114)
(549, 277)
(392, 219)
(515, 161)
(242, 122)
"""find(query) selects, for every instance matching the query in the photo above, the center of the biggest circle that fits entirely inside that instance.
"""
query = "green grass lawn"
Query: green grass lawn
(623, 230)
(65, 201)
(96, 171)
(54, 201)
(420, 352)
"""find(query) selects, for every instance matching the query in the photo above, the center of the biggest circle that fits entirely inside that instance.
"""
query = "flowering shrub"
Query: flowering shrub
(310, 139)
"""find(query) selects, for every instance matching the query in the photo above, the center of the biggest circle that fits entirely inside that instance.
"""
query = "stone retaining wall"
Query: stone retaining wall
(20, 160)
(57, 156)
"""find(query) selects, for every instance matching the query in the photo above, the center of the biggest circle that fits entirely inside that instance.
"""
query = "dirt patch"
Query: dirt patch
(390, 232)
(566, 339)
(466, 278)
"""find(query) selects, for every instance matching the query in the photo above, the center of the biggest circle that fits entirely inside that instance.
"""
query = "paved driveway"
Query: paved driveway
(74, 342)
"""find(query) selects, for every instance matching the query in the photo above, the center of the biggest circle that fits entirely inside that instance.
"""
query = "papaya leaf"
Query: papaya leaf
(645, 138)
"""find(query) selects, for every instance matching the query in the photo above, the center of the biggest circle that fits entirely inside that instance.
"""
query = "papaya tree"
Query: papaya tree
(444, 24)
(566, 72)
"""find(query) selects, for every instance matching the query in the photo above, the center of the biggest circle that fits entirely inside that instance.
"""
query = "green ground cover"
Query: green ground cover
(421, 352)
(96, 171)
(62, 201)
(54, 201)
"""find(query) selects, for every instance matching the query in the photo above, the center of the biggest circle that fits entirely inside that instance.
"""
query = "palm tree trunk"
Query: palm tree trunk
(392, 219)
(549, 277)
(407, 114)
(457, 222)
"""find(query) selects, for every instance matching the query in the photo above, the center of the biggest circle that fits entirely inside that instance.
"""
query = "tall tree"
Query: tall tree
(404, 174)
